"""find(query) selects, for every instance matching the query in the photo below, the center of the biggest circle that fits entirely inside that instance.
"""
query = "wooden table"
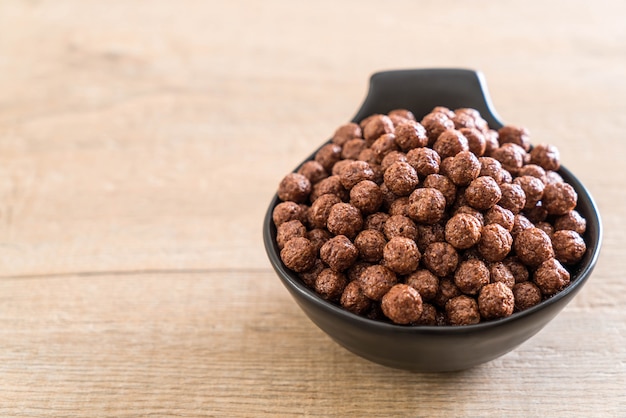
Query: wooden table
(140, 143)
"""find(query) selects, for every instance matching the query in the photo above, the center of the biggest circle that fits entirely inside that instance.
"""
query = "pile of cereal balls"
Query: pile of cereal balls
(440, 222)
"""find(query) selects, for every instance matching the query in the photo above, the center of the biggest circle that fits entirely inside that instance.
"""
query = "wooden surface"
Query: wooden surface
(140, 143)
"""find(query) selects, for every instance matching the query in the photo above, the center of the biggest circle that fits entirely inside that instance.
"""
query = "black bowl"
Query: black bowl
(431, 348)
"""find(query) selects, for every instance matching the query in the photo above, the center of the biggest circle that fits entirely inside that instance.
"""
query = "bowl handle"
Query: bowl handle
(421, 90)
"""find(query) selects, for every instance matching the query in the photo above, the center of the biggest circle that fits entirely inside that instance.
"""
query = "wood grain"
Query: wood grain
(140, 143)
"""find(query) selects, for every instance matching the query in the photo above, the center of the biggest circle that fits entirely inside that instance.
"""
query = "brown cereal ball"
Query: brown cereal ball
(426, 283)
(533, 189)
(318, 237)
(441, 258)
(378, 173)
(462, 310)
(428, 234)
(471, 276)
(369, 156)
(443, 184)
(515, 135)
(400, 226)
(289, 230)
(366, 196)
(551, 277)
(354, 300)
(463, 121)
(384, 145)
(526, 295)
(513, 197)
(425, 161)
(520, 223)
(376, 221)
(444, 110)
(571, 221)
(344, 219)
(496, 300)
(435, 124)
(468, 210)
(409, 135)
(428, 316)
(330, 284)
(546, 156)
(559, 198)
(475, 140)
(545, 227)
(498, 215)
(313, 171)
(388, 196)
(553, 177)
(355, 172)
(401, 178)
(444, 167)
(447, 290)
(298, 254)
(402, 113)
(495, 242)
(401, 255)
(339, 166)
(370, 244)
(464, 168)
(532, 246)
(347, 132)
(377, 126)
(517, 268)
(462, 231)
(288, 211)
(352, 149)
(534, 171)
(328, 155)
(483, 193)
(499, 272)
(569, 247)
(392, 157)
(354, 272)
(376, 280)
(317, 214)
(492, 168)
(400, 206)
(536, 214)
(329, 185)
(450, 143)
(427, 205)
(339, 253)
(402, 304)
(309, 276)
(511, 156)
(491, 141)
(294, 187)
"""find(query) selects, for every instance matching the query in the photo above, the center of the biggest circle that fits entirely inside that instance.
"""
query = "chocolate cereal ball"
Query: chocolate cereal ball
(495, 243)
(402, 113)
(425, 161)
(400, 226)
(298, 254)
(536, 214)
(517, 268)
(546, 156)
(520, 223)
(330, 284)
(309, 276)
(369, 156)
(463, 231)
(427, 234)
(499, 272)
(533, 247)
(354, 272)
(339, 253)
(435, 124)
(492, 168)
(318, 237)
(483, 193)
(344, 219)
(511, 156)
(428, 316)
(289, 230)
(464, 168)
(384, 145)
(320, 209)
(392, 157)
(468, 210)
(513, 197)
(401, 178)
(329, 185)
(571, 221)
(328, 155)
(498, 215)
(426, 283)
(355, 172)
(515, 135)
(551, 277)
(447, 290)
(410, 134)
(352, 149)
(559, 198)
(526, 295)
(376, 280)
(339, 166)
(294, 187)
(443, 184)
(400, 206)
(533, 170)
(496, 300)
(533, 189)
(462, 310)
(370, 244)
(376, 221)
(491, 141)
(401, 255)
(354, 300)
(366, 196)
(450, 143)
(553, 177)
(288, 211)
(475, 140)
(441, 259)
(313, 171)
(545, 227)
(402, 304)
(471, 276)
(375, 127)
(347, 132)
(427, 205)
(569, 247)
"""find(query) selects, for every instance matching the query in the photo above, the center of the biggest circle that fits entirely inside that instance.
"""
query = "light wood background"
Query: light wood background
(141, 141)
